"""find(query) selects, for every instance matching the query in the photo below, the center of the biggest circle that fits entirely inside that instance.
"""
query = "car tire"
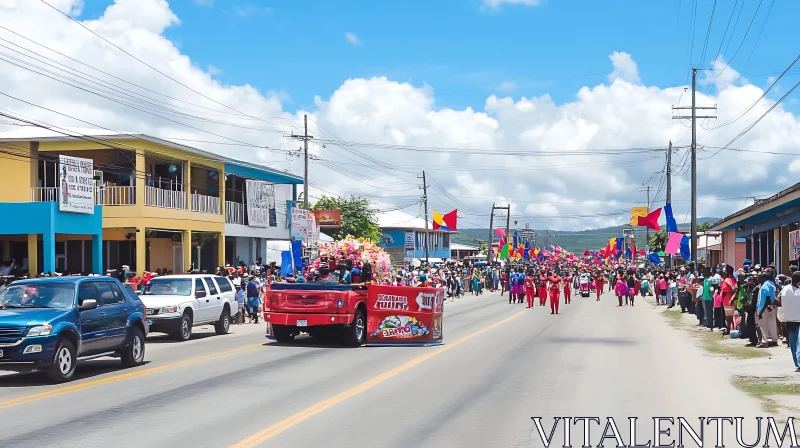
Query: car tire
(356, 332)
(184, 331)
(282, 333)
(133, 353)
(65, 361)
(223, 325)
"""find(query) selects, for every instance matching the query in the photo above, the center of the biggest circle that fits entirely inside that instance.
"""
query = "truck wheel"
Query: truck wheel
(356, 333)
(282, 333)
(64, 362)
(133, 354)
(184, 331)
(223, 325)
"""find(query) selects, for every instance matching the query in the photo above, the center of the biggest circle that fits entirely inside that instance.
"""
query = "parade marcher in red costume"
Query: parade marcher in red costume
(530, 289)
(599, 280)
(542, 286)
(555, 291)
(567, 289)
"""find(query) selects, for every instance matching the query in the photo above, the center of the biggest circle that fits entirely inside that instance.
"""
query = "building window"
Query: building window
(446, 240)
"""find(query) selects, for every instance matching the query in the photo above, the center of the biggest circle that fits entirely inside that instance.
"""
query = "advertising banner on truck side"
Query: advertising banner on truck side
(404, 316)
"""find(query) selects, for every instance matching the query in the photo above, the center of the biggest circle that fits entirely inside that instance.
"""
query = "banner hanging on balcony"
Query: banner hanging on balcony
(76, 185)
(260, 203)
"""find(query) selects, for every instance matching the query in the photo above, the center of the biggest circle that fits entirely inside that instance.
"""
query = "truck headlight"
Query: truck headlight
(40, 330)
(169, 309)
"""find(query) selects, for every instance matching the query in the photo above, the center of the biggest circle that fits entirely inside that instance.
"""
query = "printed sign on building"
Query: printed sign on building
(260, 203)
(302, 227)
(328, 219)
(794, 241)
(409, 241)
(76, 182)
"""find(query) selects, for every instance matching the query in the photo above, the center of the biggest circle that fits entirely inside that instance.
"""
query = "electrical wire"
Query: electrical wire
(727, 63)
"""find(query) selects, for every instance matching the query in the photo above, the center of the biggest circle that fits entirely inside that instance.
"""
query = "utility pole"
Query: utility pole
(425, 199)
(669, 193)
(491, 237)
(491, 229)
(647, 229)
(305, 138)
(694, 118)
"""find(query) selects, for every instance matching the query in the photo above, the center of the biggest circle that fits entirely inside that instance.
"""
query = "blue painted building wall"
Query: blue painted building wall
(44, 218)
(396, 238)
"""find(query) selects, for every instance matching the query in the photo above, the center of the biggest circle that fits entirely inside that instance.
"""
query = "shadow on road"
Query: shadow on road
(606, 341)
(86, 369)
(164, 338)
(308, 342)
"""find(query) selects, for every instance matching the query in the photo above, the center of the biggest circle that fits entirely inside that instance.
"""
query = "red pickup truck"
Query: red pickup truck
(324, 310)
(375, 315)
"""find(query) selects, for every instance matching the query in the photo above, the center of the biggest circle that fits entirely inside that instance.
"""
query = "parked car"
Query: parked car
(176, 303)
(50, 324)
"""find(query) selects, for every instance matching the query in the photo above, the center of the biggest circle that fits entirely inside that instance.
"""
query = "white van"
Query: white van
(176, 303)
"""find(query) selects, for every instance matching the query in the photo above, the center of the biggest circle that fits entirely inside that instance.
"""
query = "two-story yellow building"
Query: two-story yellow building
(161, 205)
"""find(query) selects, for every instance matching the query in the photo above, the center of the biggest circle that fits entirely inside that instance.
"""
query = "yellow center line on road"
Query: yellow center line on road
(121, 377)
(277, 428)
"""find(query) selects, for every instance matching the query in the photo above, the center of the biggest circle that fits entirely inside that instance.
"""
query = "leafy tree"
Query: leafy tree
(703, 227)
(481, 247)
(657, 241)
(358, 219)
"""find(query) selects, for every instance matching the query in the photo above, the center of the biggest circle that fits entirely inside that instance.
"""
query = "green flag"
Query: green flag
(662, 254)
(504, 252)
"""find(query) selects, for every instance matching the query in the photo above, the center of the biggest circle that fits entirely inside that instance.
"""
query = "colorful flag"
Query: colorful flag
(686, 253)
(673, 243)
(651, 220)
(504, 252)
(672, 225)
(500, 232)
(446, 222)
(619, 243)
(654, 258)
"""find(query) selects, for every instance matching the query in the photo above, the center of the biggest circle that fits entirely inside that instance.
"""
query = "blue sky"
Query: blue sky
(465, 50)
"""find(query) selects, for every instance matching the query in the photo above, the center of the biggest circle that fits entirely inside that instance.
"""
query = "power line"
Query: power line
(759, 33)
(727, 63)
(708, 33)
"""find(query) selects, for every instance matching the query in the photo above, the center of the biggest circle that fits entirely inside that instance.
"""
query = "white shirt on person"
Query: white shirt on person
(790, 302)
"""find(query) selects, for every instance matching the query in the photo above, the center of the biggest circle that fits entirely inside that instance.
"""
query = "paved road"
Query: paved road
(500, 366)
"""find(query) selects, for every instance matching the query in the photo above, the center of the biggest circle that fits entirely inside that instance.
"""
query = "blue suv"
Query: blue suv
(49, 324)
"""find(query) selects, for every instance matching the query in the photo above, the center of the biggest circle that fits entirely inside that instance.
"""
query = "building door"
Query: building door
(177, 258)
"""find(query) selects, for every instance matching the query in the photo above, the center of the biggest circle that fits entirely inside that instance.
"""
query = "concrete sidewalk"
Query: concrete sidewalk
(765, 373)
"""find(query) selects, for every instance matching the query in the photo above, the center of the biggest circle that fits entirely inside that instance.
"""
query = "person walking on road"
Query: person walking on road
(555, 291)
(621, 290)
(567, 287)
(542, 286)
(598, 285)
(530, 289)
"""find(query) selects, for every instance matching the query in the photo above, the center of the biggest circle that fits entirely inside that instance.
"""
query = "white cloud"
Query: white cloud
(507, 86)
(352, 38)
(248, 10)
(625, 68)
(213, 71)
(541, 180)
(495, 4)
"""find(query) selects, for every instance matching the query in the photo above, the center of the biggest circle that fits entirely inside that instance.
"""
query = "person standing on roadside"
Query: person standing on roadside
(766, 313)
(790, 303)
(253, 300)
(708, 303)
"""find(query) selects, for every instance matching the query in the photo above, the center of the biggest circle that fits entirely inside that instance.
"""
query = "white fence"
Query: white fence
(205, 204)
(115, 196)
(45, 194)
(156, 197)
(234, 213)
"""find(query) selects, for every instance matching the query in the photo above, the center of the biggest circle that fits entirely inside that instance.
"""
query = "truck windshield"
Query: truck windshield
(169, 287)
(38, 295)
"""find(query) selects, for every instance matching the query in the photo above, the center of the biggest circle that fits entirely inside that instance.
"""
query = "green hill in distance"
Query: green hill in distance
(573, 241)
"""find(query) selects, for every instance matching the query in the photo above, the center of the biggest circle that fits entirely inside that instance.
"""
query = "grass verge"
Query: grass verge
(712, 341)
(765, 389)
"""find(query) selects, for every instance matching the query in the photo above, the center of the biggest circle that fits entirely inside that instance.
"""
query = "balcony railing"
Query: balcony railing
(157, 197)
(115, 196)
(235, 213)
(205, 204)
(45, 194)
